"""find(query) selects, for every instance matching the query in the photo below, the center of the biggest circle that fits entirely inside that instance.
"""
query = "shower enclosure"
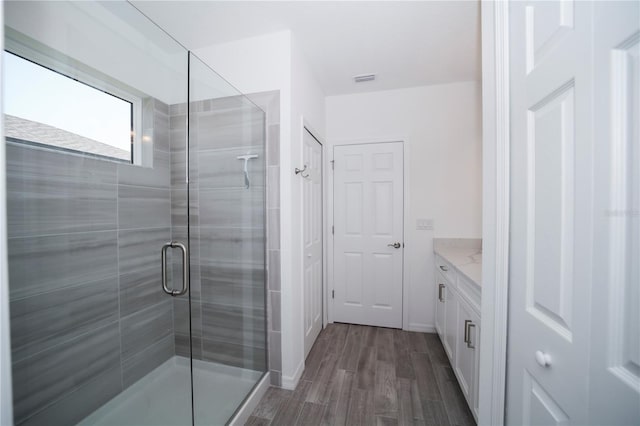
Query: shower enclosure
(136, 268)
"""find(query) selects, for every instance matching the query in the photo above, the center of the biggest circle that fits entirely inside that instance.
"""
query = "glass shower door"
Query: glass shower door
(94, 337)
(227, 236)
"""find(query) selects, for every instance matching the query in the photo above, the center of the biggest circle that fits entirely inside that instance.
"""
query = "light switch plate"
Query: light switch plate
(424, 224)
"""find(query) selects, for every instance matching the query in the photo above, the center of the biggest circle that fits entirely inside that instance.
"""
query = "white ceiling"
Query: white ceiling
(406, 43)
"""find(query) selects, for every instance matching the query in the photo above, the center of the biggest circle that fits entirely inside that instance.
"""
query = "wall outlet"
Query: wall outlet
(424, 224)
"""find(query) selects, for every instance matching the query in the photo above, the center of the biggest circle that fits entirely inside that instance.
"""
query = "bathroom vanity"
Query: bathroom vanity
(458, 274)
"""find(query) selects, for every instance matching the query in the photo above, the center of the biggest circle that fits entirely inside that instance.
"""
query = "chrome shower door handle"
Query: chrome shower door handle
(185, 268)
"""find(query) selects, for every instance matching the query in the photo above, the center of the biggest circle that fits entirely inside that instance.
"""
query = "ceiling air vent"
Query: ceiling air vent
(364, 77)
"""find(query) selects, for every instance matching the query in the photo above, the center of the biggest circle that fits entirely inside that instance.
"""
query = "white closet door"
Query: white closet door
(312, 234)
(573, 317)
(368, 236)
(615, 321)
(551, 200)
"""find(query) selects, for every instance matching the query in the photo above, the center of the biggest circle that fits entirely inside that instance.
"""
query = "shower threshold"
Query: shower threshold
(163, 397)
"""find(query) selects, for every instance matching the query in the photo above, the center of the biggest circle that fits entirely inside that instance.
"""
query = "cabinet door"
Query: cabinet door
(466, 354)
(440, 305)
(474, 336)
(450, 321)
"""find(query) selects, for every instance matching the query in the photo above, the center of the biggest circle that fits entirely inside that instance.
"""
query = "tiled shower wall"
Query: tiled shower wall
(227, 232)
(87, 315)
(270, 103)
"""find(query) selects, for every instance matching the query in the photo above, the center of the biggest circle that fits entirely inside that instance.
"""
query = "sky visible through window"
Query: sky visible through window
(38, 94)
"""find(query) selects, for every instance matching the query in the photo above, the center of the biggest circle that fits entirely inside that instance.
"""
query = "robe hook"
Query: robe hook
(301, 171)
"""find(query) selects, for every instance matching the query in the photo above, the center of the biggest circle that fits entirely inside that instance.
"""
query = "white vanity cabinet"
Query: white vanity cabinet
(458, 325)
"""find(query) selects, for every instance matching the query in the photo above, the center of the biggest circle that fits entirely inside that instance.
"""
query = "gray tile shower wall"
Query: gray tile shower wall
(270, 102)
(227, 230)
(88, 317)
(52, 192)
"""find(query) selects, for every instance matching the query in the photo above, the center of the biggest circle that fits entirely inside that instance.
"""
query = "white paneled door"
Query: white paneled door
(614, 368)
(312, 237)
(368, 234)
(574, 325)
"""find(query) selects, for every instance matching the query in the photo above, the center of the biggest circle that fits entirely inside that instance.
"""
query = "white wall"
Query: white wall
(274, 62)
(442, 131)
(253, 64)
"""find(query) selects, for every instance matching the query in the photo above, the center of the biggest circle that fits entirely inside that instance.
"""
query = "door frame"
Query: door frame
(495, 214)
(405, 220)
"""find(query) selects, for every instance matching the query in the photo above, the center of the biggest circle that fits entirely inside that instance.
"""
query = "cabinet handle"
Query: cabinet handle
(466, 331)
(444, 268)
(440, 288)
(469, 345)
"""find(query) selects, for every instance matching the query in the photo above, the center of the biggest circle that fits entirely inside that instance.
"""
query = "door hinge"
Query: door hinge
(333, 230)
(333, 294)
(333, 164)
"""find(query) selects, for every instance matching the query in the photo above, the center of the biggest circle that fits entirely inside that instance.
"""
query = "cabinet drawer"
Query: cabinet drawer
(469, 291)
(444, 280)
(446, 269)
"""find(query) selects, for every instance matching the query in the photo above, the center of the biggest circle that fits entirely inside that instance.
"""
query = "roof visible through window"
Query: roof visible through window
(47, 107)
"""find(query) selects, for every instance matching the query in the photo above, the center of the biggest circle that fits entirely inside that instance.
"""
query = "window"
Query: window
(44, 106)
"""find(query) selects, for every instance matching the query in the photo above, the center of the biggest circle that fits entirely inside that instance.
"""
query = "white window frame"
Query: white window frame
(69, 67)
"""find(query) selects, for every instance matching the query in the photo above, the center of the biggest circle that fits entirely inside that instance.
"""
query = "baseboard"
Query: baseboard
(252, 401)
(290, 382)
(422, 328)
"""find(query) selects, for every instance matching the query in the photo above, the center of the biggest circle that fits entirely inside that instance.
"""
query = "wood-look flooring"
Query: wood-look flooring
(359, 375)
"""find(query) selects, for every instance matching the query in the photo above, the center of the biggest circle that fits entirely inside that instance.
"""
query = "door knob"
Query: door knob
(394, 245)
(543, 359)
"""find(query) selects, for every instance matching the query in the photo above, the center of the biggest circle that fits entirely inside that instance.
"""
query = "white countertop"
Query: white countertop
(467, 261)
